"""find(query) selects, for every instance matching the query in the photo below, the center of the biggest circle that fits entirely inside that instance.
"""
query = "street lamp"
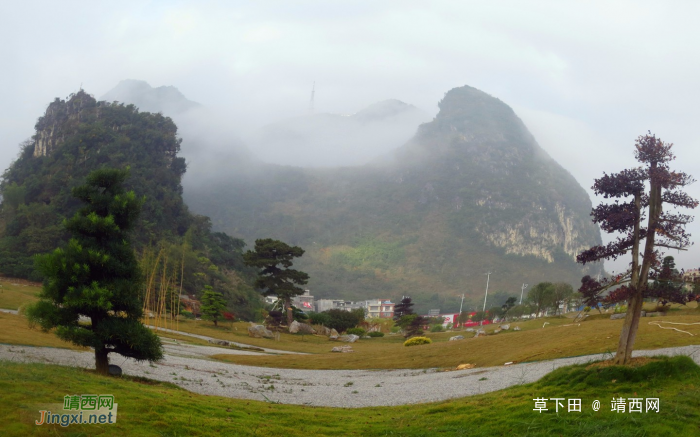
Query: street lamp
(459, 320)
(522, 290)
(488, 276)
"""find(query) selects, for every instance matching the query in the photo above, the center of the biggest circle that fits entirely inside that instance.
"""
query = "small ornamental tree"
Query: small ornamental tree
(274, 258)
(213, 305)
(640, 195)
(403, 308)
(97, 276)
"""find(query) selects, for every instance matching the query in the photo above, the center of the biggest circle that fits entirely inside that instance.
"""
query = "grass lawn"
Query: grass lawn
(14, 329)
(534, 343)
(160, 409)
(13, 295)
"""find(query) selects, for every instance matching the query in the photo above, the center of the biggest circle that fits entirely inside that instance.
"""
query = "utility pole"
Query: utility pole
(488, 276)
(460, 308)
(522, 290)
(311, 103)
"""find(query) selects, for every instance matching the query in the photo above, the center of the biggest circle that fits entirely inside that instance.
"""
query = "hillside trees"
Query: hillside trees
(97, 276)
(561, 294)
(639, 193)
(541, 296)
(275, 277)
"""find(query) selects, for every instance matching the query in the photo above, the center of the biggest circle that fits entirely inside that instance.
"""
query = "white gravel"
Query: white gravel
(188, 367)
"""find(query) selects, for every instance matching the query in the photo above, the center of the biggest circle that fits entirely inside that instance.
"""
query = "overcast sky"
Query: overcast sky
(587, 77)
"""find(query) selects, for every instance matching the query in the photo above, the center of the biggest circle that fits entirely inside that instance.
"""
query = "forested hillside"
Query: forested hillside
(79, 135)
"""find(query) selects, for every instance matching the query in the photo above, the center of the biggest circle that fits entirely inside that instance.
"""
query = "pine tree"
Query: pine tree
(213, 305)
(97, 276)
(273, 280)
(649, 190)
(403, 308)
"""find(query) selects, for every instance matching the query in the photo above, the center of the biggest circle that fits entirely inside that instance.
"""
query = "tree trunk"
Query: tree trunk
(288, 307)
(629, 329)
(102, 361)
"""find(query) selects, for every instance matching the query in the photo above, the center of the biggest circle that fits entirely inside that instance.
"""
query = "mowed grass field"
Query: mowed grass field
(14, 294)
(150, 408)
(540, 339)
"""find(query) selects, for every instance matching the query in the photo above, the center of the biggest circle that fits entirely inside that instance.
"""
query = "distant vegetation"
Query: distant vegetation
(82, 135)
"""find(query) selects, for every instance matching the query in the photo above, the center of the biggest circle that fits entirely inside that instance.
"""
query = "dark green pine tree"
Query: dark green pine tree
(97, 276)
(213, 305)
(403, 308)
(276, 278)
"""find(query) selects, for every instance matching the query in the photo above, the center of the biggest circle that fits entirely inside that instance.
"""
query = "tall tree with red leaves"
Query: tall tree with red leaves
(639, 194)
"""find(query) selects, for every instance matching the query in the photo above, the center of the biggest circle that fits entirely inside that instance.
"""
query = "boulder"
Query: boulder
(259, 331)
(294, 327)
(517, 328)
(466, 366)
(470, 329)
(342, 349)
(322, 330)
(306, 329)
(219, 342)
(114, 370)
(457, 337)
(618, 316)
(505, 327)
(496, 331)
(333, 335)
(351, 338)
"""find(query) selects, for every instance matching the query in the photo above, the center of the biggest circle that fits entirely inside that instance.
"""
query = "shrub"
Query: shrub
(415, 341)
(436, 328)
(376, 334)
(319, 319)
(357, 331)
(395, 329)
(187, 314)
(341, 320)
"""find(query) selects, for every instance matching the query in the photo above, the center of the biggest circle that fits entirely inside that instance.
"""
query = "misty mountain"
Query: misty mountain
(210, 141)
(471, 192)
(332, 140)
(167, 100)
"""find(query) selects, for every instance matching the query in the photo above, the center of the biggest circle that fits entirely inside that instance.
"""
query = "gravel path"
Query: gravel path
(187, 366)
(204, 337)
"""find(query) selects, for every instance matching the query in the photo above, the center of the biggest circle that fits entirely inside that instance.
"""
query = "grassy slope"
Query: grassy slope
(13, 295)
(152, 408)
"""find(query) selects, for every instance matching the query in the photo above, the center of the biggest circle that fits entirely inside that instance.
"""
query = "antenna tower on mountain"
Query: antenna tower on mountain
(311, 103)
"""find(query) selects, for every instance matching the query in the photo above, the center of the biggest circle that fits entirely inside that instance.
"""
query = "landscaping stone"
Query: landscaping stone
(114, 370)
(333, 335)
(305, 328)
(294, 327)
(618, 316)
(470, 330)
(457, 337)
(505, 327)
(655, 314)
(351, 338)
(496, 331)
(517, 328)
(466, 366)
(322, 330)
(259, 331)
(219, 342)
(342, 349)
